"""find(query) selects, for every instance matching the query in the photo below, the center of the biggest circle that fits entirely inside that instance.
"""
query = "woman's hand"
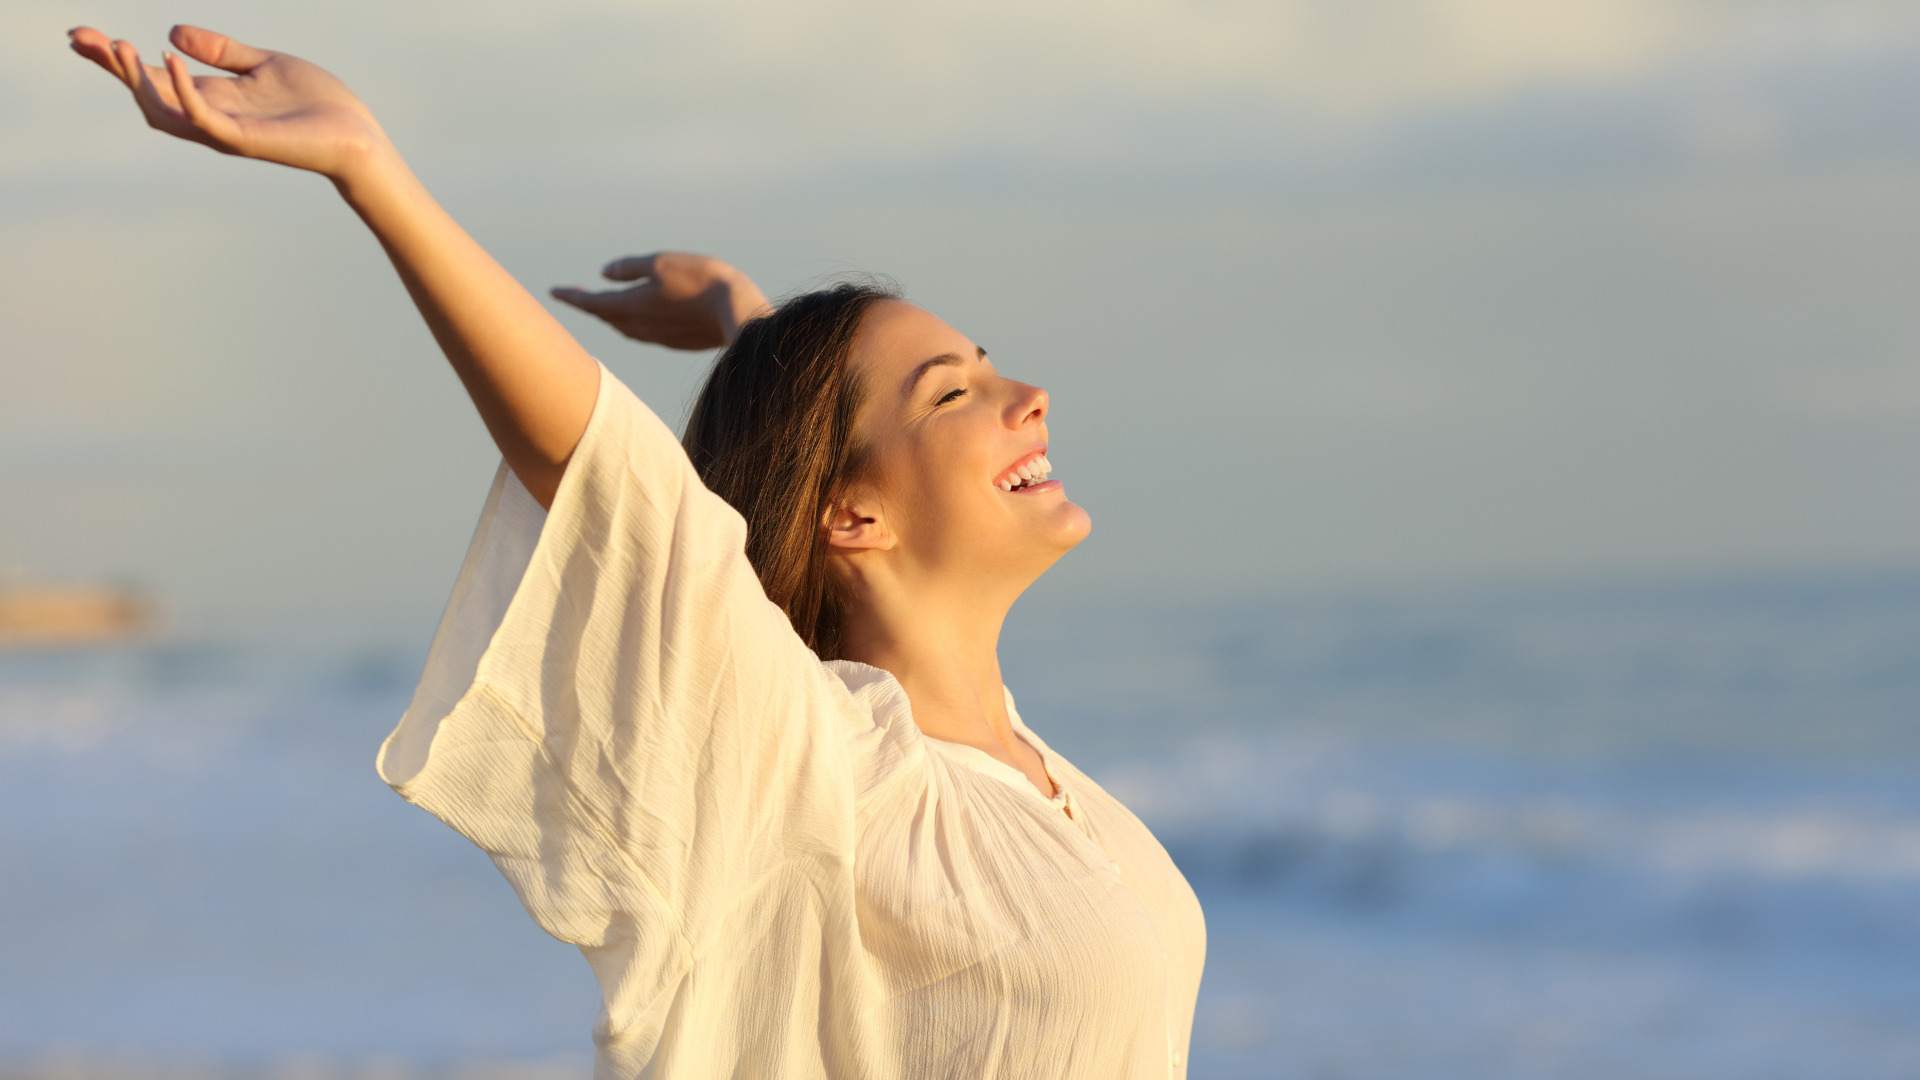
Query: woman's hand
(277, 108)
(683, 301)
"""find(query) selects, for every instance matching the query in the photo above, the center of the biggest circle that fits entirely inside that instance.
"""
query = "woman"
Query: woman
(751, 754)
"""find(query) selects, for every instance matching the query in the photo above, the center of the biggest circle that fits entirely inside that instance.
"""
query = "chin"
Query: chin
(1082, 522)
(1071, 526)
(1035, 544)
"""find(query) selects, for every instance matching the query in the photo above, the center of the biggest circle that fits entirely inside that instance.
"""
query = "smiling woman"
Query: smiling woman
(729, 716)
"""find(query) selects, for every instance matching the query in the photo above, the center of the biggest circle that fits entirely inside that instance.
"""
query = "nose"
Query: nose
(1027, 406)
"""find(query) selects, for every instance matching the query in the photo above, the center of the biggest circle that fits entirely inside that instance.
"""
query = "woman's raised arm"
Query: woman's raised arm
(534, 385)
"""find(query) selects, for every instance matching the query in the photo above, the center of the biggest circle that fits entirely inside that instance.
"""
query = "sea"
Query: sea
(1621, 831)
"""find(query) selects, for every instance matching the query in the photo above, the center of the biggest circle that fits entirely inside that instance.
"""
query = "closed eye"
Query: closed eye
(952, 395)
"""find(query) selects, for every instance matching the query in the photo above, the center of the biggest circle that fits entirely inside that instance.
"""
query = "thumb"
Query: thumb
(630, 268)
(217, 50)
(592, 303)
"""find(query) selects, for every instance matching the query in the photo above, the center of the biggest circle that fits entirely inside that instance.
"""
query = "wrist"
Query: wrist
(741, 298)
(367, 169)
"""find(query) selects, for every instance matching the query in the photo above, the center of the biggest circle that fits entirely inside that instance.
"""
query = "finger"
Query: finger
(592, 303)
(630, 268)
(127, 59)
(219, 129)
(132, 67)
(217, 50)
(96, 47)
(129, 68)
(160, 113)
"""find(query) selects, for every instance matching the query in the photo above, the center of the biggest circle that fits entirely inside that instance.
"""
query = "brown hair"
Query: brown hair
(772, 433)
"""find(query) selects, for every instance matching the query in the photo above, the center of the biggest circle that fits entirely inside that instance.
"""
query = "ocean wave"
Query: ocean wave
(1466, 841)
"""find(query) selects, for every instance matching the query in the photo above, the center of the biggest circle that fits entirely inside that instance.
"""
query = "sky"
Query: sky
(1329, 294)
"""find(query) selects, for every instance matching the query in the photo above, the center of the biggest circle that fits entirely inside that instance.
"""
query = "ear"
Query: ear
(856, 524)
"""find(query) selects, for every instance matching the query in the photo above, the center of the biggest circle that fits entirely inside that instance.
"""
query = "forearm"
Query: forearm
(533, 385)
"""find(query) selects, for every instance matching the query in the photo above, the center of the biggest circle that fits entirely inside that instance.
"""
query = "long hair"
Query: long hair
(772, 433)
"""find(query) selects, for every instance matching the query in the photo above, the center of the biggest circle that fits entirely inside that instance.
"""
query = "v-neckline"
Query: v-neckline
(982, 762)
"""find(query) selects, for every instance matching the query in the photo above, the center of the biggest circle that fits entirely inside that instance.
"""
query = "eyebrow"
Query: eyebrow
(943, 360)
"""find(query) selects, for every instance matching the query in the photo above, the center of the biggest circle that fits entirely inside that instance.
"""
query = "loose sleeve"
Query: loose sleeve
(614, 711)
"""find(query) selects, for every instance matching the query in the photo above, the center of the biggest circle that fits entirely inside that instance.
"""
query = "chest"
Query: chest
(968, 878)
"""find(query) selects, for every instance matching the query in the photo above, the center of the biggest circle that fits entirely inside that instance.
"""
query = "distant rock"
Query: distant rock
(47, 614)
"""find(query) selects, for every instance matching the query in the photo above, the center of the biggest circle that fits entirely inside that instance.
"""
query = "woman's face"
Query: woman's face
(956, 456)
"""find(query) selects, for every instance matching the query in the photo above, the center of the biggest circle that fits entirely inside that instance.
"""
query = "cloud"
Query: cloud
(1342, 56)
(733, 86)
(1349, 58)
(842, 75)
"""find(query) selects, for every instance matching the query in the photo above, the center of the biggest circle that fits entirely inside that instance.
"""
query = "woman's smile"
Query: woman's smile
(1028, 473)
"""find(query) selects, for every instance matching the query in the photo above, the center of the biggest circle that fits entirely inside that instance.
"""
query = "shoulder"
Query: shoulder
(882, 737)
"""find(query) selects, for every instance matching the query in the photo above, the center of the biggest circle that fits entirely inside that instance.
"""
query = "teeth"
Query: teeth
(1032, 472)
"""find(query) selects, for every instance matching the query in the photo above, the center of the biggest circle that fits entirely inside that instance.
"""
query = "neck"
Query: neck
(944, 650)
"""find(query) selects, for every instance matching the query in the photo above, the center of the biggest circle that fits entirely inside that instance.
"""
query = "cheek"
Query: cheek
(913, 485)
(936, 480)
(936, 498)
(946, 496)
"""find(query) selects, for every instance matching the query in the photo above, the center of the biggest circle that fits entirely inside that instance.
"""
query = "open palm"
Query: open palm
(276, 107)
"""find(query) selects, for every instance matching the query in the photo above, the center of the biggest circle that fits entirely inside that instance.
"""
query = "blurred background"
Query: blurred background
(1501, 422)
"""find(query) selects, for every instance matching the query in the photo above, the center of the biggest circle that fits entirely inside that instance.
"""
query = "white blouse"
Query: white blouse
(772, 872)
